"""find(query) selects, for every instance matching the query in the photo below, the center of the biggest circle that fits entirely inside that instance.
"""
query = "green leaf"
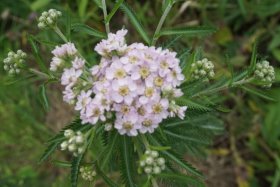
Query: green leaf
(114, 10)
(160, 148)
(242, 7)
(36, 5)
(184, 164)
(105, 178)
(44, 97)
(61, 163)
(180, 178)
(127, 161)
(79, 27)
(37, 55)
(187, 67)
(189, 31)
(258, 93)
(50, 149)
(109, 150)
(174, 157)
(98, 3)
(192, 104)
(82, 5)
(75, 167)
(187, 138)
(135, 22)
(253, 59)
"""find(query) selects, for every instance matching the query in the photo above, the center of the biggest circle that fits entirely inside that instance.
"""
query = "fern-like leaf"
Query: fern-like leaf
(126, 164)
(75, 167)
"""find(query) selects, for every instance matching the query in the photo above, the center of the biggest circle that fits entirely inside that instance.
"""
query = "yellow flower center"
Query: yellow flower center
(127, 125)
(120, 73)
(157, 108)
(149, 92)
(147, 123)
(96, 112)
(158, 81)
(133, 59)
(141, 111)
(144, 72)
(125, 109)
(123, 90)
(164, 65)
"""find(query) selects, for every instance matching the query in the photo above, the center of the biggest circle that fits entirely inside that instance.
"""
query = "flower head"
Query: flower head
(14, 62)
(265, 73)
(48, 18)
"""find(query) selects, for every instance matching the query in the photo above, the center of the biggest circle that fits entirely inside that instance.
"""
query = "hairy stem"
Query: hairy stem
(107, 27)
(214, 90)
(161, 21)
(60, 34)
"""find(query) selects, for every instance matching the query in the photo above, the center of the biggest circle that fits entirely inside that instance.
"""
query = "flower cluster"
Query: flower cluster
(74, 143)
(202, 69)
(265, 73)
(62, 55)
(151, 163)
(48, 18)
(133, 85)
(87, 173)
(14, 62)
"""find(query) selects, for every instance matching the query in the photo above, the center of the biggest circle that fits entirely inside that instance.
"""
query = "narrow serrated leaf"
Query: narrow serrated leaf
(37, 55)
(75, 167)
(79, 27)
(127, 162)
(44, 97)
(135, 22)
(258, 93)
(189, 31)
(106, 179)
(50, 149)
(253, 60)
(180, 178)
(114, 10)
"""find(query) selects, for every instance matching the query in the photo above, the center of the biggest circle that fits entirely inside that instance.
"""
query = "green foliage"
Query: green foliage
(75, 167)
(82, 28)
(189, 31)
(135, 22)
(127, 162)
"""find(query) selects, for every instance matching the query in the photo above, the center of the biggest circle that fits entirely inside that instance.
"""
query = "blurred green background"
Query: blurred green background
(247, 154)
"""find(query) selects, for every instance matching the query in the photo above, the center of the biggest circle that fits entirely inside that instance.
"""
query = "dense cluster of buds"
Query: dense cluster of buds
(87, 173)
(75, 142)
(265, 73)
(48, 18)
(151, 163)
(134, 85)
(202, 69)
(14, 62)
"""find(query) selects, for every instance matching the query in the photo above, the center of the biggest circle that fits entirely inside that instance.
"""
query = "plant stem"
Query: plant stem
(161, 21)
(234, 84)
(105, 16)
(39, 73)
(145, 141)
(154, 182)
(60, 34)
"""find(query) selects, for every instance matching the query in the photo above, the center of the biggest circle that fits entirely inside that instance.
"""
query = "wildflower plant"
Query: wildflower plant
(139, 105)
